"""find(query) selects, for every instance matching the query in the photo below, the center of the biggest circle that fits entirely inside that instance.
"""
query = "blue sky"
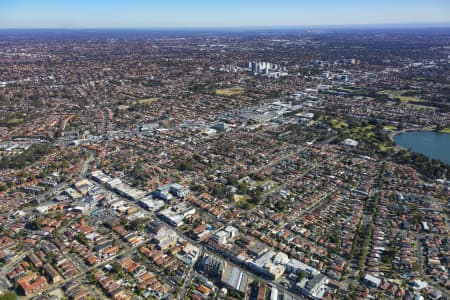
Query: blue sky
(216, 13)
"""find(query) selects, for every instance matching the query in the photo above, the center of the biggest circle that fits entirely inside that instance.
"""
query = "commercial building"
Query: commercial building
(212, 265)
(235, 278)
(270, 264)
(151, 204)
(174, 215)
(314, 288)
(223, 236)
(296, 266)
(165, 192)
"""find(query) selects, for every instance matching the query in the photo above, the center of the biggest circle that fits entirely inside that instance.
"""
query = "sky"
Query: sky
(217, 13)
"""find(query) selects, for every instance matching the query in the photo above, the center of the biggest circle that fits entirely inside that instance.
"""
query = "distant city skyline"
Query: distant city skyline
(209, 14)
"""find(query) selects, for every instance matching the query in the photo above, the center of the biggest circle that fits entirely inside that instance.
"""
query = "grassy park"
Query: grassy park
(402, 95)
(445, 130)
(15, 121)
(228, 92)
(389, 127)
(358, 131)
(12, 121)
(145, 101)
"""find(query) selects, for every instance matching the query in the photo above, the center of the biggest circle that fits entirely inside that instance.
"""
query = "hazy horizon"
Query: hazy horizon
(177, 14)
(255, 27)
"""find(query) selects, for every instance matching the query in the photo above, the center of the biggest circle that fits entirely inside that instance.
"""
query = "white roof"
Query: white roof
(350, 142)
(373, 279)
(419, 284)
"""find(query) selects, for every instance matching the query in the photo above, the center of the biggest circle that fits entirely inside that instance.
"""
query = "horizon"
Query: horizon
(362, 26)
(202, 14)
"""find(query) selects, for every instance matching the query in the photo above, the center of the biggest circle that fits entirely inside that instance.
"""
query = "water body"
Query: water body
(429, 143)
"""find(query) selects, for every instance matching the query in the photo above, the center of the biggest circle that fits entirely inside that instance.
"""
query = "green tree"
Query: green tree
(117, 268)
(8, 296)
(82, 239)
(301, 276)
